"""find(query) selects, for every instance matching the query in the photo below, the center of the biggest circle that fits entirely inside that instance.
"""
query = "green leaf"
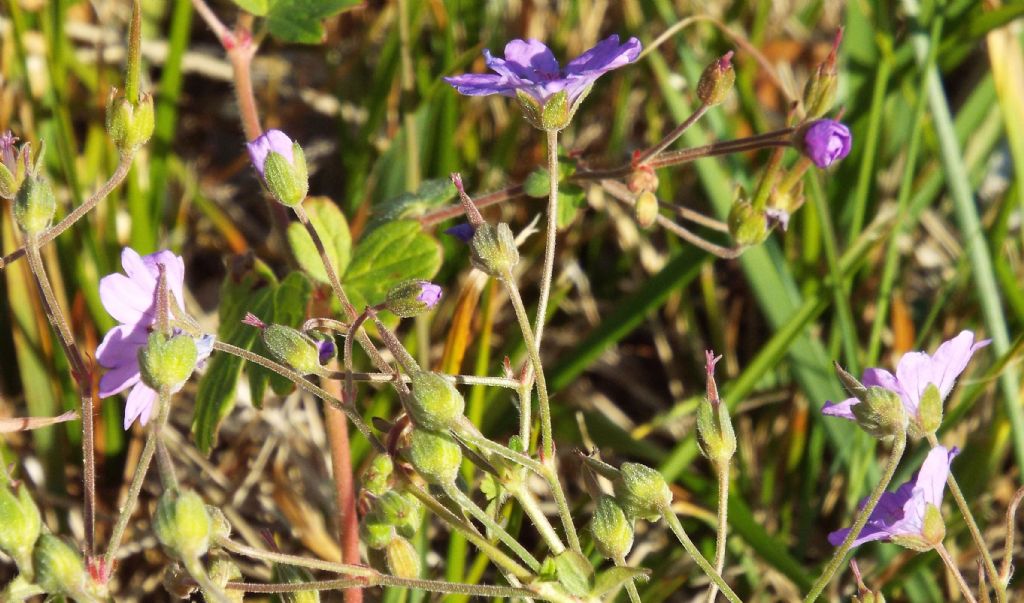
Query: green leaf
(251, 292)
(570, 199)
(536, 184)
(431, 194)
(256, 7)
(301, 20)
(393, 253)
(330, 224)
(615, 578)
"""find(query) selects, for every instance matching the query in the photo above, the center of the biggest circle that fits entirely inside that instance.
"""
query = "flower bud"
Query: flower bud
(929, 413)
(404, 512)
(19, 525)
(167, 361)
(281, 165)
(403, 559)
(220, 527)
(612, 531)
(820, 91)
(293, 347)
(880, 413)
(435, 456)
(34, 205)
(747, 225)
(435, 403)
(642, 491)
(717, 80)
(412, 298)
(130, 124)
(642, 178)
(375, 532)
(646, 209)
(223, 570)
(13, 165)
(715, 433)
(59, 569)
(182, 524)
(291, 574)
(824, 142)
(375, 480)
(493, 250)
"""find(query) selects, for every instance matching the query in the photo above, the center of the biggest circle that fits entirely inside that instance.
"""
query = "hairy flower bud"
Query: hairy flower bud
(403, 560)
(881, 412)
(646, 209)
(375, 532)
(293, 347)
(435, 403)
(404, 512)
(167, 361)
(221, 571)
(747, 225)
(14, 164)
(375, 480)
(59, 569)
(717, 80)
(281, 165)
(435, 456)
(291, 574)
(182, 524)
(642, 491)
(129, 124)
(611, 529)
(493, 250)
(34, 205)
(820, 91)
(412, 298)
(824, 142)
(20, 525)
(714, 430)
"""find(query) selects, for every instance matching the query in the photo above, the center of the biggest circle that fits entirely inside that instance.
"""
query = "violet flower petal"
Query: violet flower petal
(608, 54)
(843, 410)
(916, 370)
(531, 60)
(271, 140)
(827, 141)
(139, 405)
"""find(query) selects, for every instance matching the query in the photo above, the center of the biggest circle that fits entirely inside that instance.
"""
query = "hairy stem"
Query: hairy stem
(532, 509)
(467, 504)
(634, 595)
(951, 564)
(1011, 514)
(436, 586)
(672, 136)
(677, 528)
(839, 557)
(723, 524)
(550, 237)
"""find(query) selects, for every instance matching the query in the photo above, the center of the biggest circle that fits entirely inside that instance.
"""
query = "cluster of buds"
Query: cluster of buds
(392, 518)
(20, 525)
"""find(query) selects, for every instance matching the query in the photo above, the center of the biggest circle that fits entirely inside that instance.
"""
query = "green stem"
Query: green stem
(634, 595)
(195, 569)
(547, 444)
(540, 521)
(951, 564)
(467, 504)
(723, 524)
(358, 571)
(972, 527)
(839, 557)
(165, 466)
(677, 529)
(162, 411)
(469, 433)
(437, 586)
(550, 237)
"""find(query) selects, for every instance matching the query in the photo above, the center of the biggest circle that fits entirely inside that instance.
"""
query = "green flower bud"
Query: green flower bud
(375, 480)
(60, 569)
(641, 491)
(404, 512)
(435, 456)
(290, 574)
(646, 209)
(375, 532)
(714, 431)
(34, 205)
(820, 93)
(167, 361)
(435, 404)
(412, 298)
(747, 225)
(20, 525)
(220, 527)
(402, 558)
(183, 525)
(493, 250)
(294, 348)
(929, 413)
(130, 125)
(612, 531)
(880, 412)
(410, 523)
(287, 181)
(717, 80)
(223, 570)
(14, 165)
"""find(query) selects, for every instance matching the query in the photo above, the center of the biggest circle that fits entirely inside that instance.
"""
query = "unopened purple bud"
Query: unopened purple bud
(271, 140)
(412, 298)
(325, 349)
(430, 294)
(777, 217)
(7, 153)
(826, 141)
(463, 232)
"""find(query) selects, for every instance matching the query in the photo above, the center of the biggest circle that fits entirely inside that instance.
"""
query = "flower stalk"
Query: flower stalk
(677, 528)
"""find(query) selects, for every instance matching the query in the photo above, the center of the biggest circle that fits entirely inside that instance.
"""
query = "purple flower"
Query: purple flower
(900, 514)
(530, 66)
(826, 142)
(914, 373)
(325, 350)
(131, 299)
(463, 232)
(271, 140)
(430, 294)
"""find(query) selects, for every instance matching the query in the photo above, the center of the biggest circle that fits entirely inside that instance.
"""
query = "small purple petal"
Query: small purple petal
(843, 410)
(916, 370)
(271, 140)
(325, 349)
(430, 294)
(777, 217)
(826, 142)
(463, 232)
(139, 405)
